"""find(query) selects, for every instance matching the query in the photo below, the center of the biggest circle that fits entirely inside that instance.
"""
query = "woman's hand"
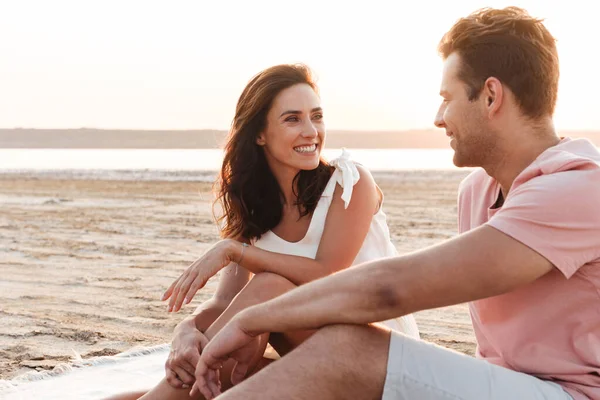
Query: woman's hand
(186, 348)
(196, 275)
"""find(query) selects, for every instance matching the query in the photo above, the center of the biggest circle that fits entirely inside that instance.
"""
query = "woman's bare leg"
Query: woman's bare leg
(261, 288)
(126, 396)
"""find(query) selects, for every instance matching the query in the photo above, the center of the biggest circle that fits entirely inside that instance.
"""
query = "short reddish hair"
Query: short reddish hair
(512, 46)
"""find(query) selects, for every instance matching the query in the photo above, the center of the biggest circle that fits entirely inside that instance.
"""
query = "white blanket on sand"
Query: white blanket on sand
(100, 377)
(96, 378)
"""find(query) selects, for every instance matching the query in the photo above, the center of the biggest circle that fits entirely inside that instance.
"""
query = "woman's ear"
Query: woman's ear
(260, 139)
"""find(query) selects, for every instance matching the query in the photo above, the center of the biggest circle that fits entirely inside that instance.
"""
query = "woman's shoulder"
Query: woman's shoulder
(351, 171)
(353, 178)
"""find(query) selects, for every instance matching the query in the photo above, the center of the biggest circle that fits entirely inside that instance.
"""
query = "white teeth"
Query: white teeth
(306, 149)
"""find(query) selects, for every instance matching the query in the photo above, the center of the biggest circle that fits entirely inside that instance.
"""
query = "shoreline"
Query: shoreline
(199, 176)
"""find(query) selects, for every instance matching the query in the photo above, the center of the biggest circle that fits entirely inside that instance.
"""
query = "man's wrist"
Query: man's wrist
(250, 320)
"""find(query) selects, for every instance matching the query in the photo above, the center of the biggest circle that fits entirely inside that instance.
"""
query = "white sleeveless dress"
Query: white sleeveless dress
(377, 244)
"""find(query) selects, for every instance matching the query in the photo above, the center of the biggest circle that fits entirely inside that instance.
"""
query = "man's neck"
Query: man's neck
(518, 153)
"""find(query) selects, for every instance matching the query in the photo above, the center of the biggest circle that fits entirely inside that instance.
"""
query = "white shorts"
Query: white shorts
(418, 370)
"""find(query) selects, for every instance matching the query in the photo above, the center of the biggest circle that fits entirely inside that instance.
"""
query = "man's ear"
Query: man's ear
(493, 93)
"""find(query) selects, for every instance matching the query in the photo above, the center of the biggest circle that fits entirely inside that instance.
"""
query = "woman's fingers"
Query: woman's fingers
(172, 379)
(175, 291)
(196, 285)
(188, 359)
(180, 288)
(193, 279)
(183, 375)
(169, 291)
(184, 287)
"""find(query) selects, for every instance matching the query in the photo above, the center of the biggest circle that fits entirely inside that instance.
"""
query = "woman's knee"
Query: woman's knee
(266, 285)
(262, 287)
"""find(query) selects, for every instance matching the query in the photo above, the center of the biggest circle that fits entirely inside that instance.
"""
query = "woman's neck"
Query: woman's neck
(285, 179)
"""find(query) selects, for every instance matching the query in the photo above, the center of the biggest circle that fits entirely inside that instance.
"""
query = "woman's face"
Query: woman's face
(295, 130)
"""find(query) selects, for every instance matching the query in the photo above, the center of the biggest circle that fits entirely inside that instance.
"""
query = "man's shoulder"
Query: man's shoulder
(569, 155)
(566, 169)
(569, 169)
(570, 195)
(568, 183)
(475, 180)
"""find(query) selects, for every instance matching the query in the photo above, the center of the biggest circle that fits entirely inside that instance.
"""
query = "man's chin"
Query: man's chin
(456, 160)
(460, 162)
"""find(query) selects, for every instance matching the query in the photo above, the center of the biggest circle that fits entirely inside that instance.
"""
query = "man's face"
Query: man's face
(464, 120)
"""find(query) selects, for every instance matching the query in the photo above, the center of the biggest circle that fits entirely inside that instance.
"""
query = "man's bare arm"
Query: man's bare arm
(481, 263)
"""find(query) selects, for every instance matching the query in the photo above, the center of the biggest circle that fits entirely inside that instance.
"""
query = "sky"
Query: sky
(182, 64)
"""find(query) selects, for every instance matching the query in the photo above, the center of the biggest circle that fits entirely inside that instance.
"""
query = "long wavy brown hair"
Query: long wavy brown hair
(250, 198)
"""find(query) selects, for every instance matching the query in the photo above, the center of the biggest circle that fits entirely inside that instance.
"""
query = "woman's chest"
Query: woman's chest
(292, 227)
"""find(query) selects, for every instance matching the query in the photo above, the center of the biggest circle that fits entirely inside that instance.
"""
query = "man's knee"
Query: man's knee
(351, 356)
(353, 340)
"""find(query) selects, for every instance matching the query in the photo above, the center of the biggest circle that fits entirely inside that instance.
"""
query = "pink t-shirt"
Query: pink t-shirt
(549, 328)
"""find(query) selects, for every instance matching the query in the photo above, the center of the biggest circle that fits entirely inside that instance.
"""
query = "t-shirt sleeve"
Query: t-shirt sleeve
(558, 216)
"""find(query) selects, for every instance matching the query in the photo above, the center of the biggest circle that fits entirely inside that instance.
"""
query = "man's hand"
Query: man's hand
(186, 348)
(232, 342)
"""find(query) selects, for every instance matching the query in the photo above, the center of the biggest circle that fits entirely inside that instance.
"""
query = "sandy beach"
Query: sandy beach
(84, 261)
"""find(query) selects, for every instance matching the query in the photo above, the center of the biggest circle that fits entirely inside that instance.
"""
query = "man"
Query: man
(527, 258)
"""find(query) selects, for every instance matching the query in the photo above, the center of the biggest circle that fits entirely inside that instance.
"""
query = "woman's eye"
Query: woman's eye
(292, 119)
(318, 116)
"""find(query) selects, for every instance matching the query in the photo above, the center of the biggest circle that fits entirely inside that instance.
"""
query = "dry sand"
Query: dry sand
(83, 263)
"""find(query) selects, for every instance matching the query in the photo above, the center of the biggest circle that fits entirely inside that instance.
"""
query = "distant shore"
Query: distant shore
(86, 138)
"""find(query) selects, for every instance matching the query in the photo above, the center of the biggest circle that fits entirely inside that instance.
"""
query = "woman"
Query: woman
(288, 217)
